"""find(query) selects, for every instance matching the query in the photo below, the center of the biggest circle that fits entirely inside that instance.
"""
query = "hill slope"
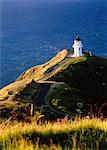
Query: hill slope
(61, 85)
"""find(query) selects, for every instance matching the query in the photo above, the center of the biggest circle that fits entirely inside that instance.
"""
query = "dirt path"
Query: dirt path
(42, 93)
(52, 71)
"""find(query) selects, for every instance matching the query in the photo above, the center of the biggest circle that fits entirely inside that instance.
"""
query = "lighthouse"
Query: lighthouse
(77, 47)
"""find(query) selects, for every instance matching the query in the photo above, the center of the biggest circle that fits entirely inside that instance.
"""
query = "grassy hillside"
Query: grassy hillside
(63, 87)
(66, 134)
(26, 88)
(38, 72)
(81, 80)
(65, 100)
(87, 84)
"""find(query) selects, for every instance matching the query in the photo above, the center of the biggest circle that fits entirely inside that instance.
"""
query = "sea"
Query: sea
(33, 31)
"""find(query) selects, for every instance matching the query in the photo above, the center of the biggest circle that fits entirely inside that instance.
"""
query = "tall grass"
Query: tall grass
(62, 134)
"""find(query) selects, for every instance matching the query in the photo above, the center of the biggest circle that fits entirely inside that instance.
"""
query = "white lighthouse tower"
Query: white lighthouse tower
(77, 46)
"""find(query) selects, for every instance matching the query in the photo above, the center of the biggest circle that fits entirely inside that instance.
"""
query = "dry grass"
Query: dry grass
(37, 72)
(13, 88)
(60, 134)
(62, 66)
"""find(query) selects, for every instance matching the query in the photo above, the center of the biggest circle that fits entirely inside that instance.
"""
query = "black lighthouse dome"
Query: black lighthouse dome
(77, 38)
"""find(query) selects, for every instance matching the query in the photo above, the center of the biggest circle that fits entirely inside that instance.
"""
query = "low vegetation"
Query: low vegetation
(31, 108)
(79, 134)
(65, 100)
(38, 72)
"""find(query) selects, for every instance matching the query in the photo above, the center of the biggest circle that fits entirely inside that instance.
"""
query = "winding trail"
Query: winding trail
(44, 89)
(67, 61)
(41, 98)
(42, 93)
(54, 69)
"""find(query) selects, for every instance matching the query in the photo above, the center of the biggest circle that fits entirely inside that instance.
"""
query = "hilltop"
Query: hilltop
(62, 86)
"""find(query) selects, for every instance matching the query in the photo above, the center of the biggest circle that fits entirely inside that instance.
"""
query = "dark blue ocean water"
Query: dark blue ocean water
(33, 31)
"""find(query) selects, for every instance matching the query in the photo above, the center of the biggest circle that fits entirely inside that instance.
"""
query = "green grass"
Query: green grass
(53, 99)
(25, 87)
(62, 65)
(63, 100)
(63, 134)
